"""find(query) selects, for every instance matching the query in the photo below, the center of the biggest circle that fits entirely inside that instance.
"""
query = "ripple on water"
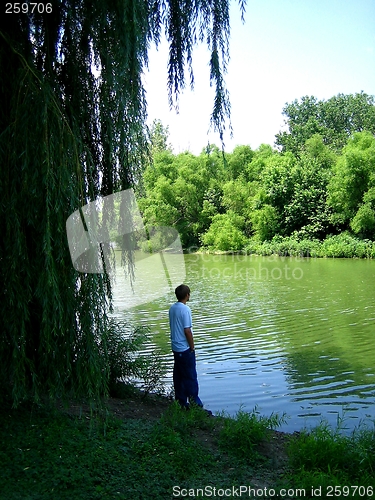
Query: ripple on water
(301, 346)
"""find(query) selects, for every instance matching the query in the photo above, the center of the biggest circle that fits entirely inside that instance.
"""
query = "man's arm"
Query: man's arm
(189, 337)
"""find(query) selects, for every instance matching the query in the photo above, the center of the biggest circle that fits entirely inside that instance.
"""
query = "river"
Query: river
(282, 334)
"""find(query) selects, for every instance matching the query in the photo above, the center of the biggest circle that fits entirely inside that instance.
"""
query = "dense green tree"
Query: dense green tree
(343, 115)
(292, 193)
(242, 194)
(265, 222)
(73, 128)
(239, 162)
(183, 191)
(307, 214)
(335, 119)
(351, 189)
(274, 192)
(237, 195)
(315, 148)
(363, 223)
(253, 171)
(302, 123)
(277, 180)
(159, 135)
(215, 163)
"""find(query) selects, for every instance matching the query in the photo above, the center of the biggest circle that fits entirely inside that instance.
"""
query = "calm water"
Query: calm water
(284, 334)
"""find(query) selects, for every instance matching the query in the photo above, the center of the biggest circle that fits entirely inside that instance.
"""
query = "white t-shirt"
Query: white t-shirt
(179, 318)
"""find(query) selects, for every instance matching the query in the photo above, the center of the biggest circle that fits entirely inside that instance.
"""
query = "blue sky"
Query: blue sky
(285, 50)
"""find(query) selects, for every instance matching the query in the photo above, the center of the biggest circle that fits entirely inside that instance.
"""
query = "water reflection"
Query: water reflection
(293, 335)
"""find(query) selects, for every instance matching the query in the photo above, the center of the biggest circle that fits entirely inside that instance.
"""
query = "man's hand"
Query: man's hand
(189, 338)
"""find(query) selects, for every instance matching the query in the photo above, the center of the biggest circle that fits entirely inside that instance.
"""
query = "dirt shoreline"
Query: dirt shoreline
(151, 407)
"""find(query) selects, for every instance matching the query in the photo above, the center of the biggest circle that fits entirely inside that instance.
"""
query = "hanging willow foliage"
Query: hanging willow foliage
(72, 128)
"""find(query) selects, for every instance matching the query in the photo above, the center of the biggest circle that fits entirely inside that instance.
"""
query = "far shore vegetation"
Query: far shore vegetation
(343, 245)
(313, 194)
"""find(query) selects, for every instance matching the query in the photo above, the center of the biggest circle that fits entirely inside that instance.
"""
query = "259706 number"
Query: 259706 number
(28, 8)
(347, 491)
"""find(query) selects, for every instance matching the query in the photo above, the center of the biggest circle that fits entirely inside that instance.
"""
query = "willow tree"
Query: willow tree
(72, 125)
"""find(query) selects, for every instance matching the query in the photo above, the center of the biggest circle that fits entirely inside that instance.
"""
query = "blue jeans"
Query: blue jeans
(185, 378)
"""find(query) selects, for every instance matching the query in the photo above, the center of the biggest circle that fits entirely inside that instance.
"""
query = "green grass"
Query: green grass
(325, 458)
(46, 454)
(246, 431)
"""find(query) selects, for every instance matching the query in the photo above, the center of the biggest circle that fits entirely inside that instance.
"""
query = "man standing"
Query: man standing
(185, 378)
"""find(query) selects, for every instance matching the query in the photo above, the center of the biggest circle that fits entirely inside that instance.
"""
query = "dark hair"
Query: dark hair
(181, 292)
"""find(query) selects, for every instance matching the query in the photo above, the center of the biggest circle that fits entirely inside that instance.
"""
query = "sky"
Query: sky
(286, 49)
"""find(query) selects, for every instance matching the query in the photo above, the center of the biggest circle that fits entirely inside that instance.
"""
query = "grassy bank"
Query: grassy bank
(343, 245)
(150, 449)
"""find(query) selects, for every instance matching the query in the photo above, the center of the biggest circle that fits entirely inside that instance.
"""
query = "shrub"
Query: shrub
(342, 245)
(346, 245)
(240, 435)
(284, 246)
(120, 348)
(225, 233)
